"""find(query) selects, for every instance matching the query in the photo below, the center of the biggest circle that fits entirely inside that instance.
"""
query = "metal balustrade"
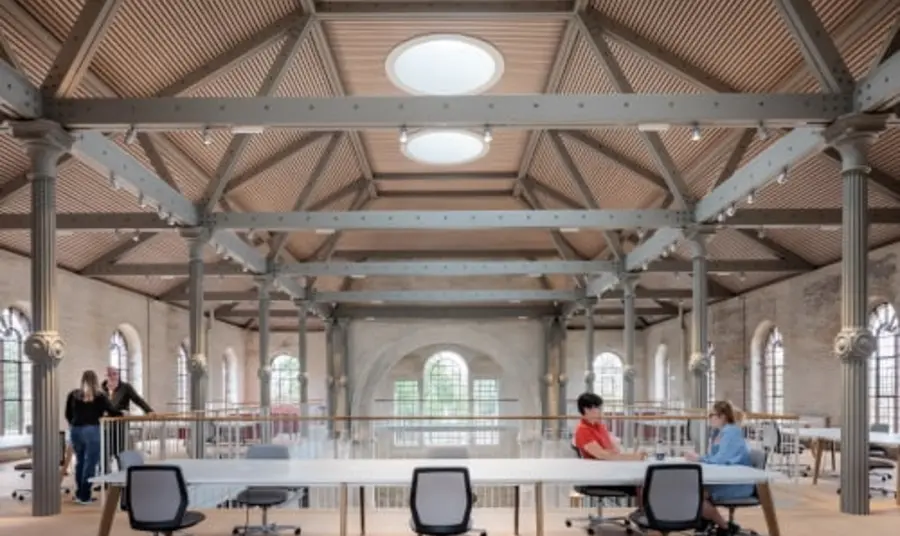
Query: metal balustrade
(227, 434)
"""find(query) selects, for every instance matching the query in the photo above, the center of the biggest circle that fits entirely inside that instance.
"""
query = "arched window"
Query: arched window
(884, 373)
(773, 372)
(446, 395)
(229, 380)
(609, 378)
(285, 385)
(119, 356)
(15, 369)
(711, 378)
(182, 380)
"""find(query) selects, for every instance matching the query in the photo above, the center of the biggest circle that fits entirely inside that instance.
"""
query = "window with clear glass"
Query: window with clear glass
(406, 405)
(445, 396)
(285, 383)
(609, 378)
(182, 381)
(773, 367)
(884, 374)
(15, 369)
(711, 377)
(486, 406)
(119, 357)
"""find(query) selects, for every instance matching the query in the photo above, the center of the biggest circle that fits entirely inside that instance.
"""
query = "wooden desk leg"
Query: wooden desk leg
(342, 509)
(539, 509)
(768, 508)
(362, 510)
(517, 505)
(818, 449)
(109, 510)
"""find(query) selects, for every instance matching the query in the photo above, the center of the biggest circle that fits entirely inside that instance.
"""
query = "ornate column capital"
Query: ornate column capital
(45, 142)
(628, 282)
(629, 372)
(198, 363)
(589, 377)
(852, 136)
(854, 344)
(264, 372)
(45, 347)
(699, 363)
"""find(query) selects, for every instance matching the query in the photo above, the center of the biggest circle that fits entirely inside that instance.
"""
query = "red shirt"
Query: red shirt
(586, 433)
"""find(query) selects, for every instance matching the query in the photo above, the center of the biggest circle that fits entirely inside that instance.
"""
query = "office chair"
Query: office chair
(881, 466)
(758, 461)
(264, 498)
(594, 522)
(158, 500)
(672, 499)
(126, 459)
(773, 443)
(440, 502)
(26, 468)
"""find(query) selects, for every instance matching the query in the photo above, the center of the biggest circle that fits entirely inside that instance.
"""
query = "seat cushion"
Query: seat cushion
(876, 463)
(263, 497)
(745, 502)
(412, 524)
(191, 518)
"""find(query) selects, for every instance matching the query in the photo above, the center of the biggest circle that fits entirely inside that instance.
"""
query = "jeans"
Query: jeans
(86, 443)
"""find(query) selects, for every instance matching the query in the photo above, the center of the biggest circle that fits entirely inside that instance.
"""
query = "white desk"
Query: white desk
(15, 442)
(356, 472)
(820, 437)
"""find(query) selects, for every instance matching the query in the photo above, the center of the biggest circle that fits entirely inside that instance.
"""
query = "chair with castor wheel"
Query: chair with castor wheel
(591, 523)
(758, 461)
(440, 502)
(264, 498)
(27, 468)
(672, 499)
(158, 500)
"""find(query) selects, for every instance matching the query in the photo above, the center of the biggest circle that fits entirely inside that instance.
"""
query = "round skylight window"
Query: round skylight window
(445, 147)
(444, 64)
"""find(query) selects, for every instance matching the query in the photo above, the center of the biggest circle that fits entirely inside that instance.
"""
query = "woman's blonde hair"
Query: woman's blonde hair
(90, 386)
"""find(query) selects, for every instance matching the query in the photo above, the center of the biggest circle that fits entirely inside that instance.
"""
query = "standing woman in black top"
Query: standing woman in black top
(121, 395)
(84, 409)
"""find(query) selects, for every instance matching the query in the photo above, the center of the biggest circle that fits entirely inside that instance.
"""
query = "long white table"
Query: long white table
(15, 442)
(343, 473)
(822, 437)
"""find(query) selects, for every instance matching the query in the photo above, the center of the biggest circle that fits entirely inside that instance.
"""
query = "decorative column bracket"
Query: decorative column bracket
(588, 305)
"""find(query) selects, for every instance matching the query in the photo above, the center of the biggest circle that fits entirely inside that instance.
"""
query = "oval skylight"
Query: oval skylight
(444, 64)
(445, 147)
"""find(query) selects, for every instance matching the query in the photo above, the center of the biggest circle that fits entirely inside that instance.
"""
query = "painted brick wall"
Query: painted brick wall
(89, 313)
(806, 310)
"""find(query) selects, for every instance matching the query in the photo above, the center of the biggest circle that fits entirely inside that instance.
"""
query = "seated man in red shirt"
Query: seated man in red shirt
(592, 439)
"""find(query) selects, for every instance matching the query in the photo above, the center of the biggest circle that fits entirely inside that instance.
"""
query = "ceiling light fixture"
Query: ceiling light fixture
(444, 64)
(696, 133)
(444, 147)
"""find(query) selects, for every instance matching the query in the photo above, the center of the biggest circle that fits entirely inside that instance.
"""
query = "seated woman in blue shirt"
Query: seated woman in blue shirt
(727, 447)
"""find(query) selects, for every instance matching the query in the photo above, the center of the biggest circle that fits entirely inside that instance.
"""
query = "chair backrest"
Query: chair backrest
(449, 452)
(758, 459)
(441, 500)
(673, 496)
(157, 497)
(880, 428)
(771, 436)
(268, 452)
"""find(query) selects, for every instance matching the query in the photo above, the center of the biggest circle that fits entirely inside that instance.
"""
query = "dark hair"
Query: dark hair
(588, 401)
(724, 409)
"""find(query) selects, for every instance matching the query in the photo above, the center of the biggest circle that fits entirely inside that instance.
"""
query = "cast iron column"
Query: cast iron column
(264, 372)
(345, 380)
(628, 282)
(546, 379)
(699, 362)
(562, 378)
(197, 365)
(854, 343)
(589, 346)
(303, 377)
(330, 380)
(45, 144)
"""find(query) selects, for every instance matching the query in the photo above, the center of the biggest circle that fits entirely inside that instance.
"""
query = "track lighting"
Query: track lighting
(404, 135)
(130, 136)
(142, 201)
(730, 210)
(640, 233)
(113, 183)
(206, 135)
(762, 133)
(782, 177)
(488, 136)
(720, 217)
(750, 198)
(761, 234)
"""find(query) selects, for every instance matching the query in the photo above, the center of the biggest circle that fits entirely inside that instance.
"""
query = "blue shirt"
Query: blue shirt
(730, 449)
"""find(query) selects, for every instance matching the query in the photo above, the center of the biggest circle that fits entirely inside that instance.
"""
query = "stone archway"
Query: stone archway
(510, 356)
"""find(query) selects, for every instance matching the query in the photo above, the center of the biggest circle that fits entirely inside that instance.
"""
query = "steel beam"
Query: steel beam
(432, 313)
(453, 176)
(881, 87)
(148, 221)
(445, 10)
(500, 111)
(444, 220)
(220, 269)
(445, 268)
(442, 254)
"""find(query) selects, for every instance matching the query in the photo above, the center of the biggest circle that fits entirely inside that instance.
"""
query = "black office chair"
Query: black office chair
(27, 468)
(440, 502)
(672, 499)
(264, 498)
(881, 466)
(599, 495)
(158, 500)
(758, 461)
(126, 459)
